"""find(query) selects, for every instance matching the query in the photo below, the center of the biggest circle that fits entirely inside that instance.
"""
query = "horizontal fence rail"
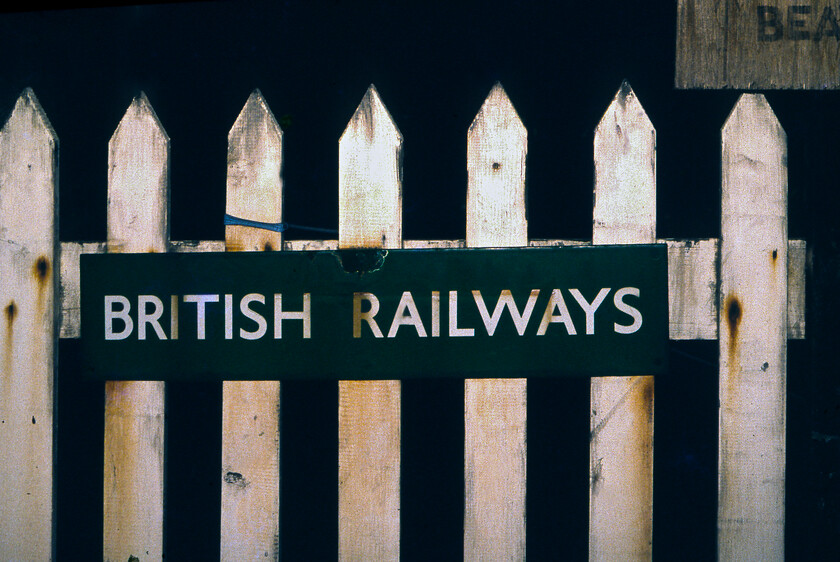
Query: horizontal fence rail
(746, 289)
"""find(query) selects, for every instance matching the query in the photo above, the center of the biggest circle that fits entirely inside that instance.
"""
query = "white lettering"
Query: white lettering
(435, 314)
(304, 315)
(228, 317)
(200, 314)
(144, 317)
(252, 315)
(590, 308)
(411, 319)
(506, 300)
(173, 317)
(627, 309)
(454, 330)
(556, 301)
(111, 315)
(358, 315)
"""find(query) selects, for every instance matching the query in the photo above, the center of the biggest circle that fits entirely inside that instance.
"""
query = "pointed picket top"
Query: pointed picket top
(138, 181)
(370, 177)
(29, 115)
(754, 142)
(140, 111)
(254, 175)
(497, 147)
(27, 140)
(625, 173)
(755, 110)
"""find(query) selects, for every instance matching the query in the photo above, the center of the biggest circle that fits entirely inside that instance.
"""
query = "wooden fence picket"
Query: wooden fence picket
(495, 409)
(250, 469)
(138, 222)
(621, 417)
(753, 333)
(28, 266)
(369, 216)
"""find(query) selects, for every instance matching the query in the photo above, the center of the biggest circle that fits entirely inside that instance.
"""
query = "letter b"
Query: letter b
(111, 315)
(769, 26)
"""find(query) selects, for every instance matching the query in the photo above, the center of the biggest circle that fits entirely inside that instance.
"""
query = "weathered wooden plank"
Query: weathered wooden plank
(187, 246)
(70, 290)
(309, 245)
(692, 289)
(797, 256)
(427, 244)
(621, 418)
(250, 526)
(758, 44)
(369, 216)
(701, 44)
(137, 221)
(28, 338)
(495, 410)
(753, 338)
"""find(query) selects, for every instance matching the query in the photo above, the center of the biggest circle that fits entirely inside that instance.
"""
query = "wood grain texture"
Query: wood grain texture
(692, 289)
(28, 336)
(621, 417)
(758, 44)
(137, 222)
(753, 338)
(369, 216)
(495, 410)
(250, 522)
(70, 289)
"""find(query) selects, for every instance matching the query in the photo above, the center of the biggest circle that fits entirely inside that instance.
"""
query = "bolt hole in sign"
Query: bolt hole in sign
(376, 314)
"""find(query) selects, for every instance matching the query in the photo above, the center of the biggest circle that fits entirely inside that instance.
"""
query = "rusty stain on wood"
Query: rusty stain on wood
(733, 310)
(42, 269)
(641, 456)
(11, 312)
(8, 346)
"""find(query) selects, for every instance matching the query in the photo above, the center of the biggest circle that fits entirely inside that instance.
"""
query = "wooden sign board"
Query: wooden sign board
(390, 314)
(758, 44)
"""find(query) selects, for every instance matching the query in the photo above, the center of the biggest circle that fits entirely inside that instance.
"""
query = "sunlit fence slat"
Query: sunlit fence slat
(28, 289)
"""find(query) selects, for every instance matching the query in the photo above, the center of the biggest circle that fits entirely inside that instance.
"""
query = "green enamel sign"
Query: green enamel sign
(376, 314)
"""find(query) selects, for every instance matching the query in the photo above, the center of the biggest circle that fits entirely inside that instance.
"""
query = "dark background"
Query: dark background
(433, 64)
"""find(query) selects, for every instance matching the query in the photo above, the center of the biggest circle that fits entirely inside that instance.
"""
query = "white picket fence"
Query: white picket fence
(746, 289)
